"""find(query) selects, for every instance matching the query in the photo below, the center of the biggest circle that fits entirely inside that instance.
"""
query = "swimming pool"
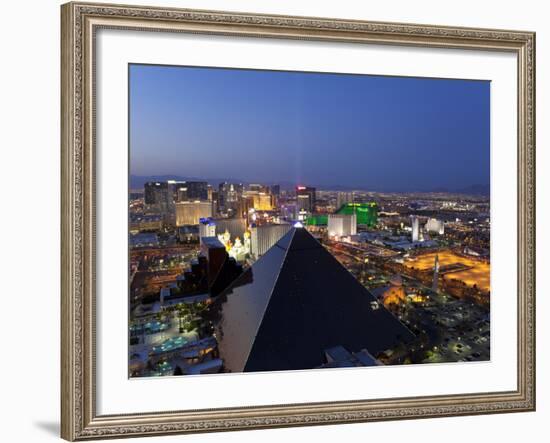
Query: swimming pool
(152, 327)
(170, 345)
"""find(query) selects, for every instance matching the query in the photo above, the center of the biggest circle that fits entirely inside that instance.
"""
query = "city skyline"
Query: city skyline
(304, 120)
(136, 183)
(215, 270)
(354, 210)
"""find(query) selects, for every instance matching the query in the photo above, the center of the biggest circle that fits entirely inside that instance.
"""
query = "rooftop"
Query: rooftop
(212, 242)
(294, 303)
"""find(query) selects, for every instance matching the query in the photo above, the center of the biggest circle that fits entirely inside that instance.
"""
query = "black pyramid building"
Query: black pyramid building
(295, 302)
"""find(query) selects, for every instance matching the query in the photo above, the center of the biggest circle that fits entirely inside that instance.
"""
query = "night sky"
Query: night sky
(326, 130)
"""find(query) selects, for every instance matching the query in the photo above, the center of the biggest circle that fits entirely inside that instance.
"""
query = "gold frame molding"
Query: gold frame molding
(79, 22)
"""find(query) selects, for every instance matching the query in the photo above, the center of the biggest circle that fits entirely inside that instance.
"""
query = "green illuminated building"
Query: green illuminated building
(367, 214)
(317, 220)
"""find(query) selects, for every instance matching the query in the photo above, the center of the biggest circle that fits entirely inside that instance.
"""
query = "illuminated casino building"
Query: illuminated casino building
(151, 222)
(158, 197)
(317, 220)
(262, 201)
(229, 196)
(435, 226)
(306, 198)
(161, 197)
(366, 213)
(189, 190)
(263, 237)
(190, 213)
(341, 225)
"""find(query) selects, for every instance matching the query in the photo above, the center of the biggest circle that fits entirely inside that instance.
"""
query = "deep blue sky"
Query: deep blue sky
(370, 132)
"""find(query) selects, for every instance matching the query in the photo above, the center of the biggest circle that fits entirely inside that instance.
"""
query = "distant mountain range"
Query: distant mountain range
(470, 190)
(138, 181)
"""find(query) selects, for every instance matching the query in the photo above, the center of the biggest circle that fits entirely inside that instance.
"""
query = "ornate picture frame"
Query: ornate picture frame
(80, 22)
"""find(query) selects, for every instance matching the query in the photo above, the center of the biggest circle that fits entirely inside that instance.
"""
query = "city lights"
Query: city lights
(315, 236)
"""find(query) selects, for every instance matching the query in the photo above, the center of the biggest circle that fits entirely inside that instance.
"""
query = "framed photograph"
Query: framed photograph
(282, 221)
